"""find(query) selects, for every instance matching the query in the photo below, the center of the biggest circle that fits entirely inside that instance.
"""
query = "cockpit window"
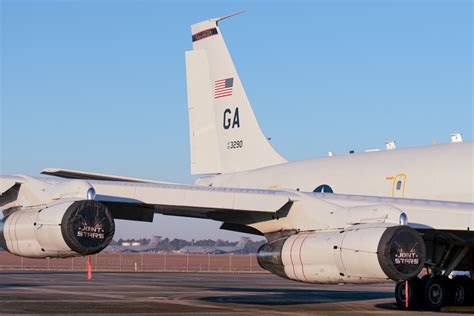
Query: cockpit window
(324, 188)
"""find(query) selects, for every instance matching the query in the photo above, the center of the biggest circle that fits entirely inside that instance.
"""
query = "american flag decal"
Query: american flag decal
(223, 88)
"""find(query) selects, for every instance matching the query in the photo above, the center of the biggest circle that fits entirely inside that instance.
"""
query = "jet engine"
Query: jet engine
(359, 254)
(63, 229)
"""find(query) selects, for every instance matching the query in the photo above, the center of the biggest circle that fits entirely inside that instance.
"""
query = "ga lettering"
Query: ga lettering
(231, 120)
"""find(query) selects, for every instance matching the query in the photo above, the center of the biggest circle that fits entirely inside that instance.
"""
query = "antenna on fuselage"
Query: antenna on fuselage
(390, 144)
(227, 16)
(456, 138)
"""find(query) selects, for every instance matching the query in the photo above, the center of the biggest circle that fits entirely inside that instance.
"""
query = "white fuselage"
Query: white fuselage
(437, 172)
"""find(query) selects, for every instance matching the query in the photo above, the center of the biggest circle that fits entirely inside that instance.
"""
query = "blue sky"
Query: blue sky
(100, 85)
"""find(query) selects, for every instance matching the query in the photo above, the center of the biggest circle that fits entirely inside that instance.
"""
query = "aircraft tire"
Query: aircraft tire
(415, 293)
(463, 289)
(438, 292)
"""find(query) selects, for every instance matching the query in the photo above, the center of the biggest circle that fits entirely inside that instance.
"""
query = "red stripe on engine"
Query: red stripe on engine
(301, 261)
(291, 257)
(16, 237)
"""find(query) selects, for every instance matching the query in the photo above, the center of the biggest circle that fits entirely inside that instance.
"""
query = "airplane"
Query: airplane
(216, 249)
(154, 241)
(367, 217)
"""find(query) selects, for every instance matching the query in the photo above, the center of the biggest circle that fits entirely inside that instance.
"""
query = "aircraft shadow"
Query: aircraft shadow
(16, 285)
(259, 296)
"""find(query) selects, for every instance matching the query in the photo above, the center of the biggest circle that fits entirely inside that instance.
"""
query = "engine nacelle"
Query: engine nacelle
(359, 254)
(65, 229)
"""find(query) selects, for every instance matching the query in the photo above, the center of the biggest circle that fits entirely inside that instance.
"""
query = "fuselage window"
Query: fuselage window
(324, 188)
(399, 185)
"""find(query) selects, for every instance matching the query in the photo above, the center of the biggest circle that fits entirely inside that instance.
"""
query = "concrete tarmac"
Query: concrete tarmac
(185, 293)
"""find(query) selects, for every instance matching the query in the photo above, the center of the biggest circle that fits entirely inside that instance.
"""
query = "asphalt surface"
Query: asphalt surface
(183, 293)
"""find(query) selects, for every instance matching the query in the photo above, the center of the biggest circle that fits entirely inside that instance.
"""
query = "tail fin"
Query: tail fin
(242, 242)
(154, 241)
(225, 135)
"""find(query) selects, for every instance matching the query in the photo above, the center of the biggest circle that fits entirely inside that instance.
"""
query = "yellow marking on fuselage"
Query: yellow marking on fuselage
(394, 181)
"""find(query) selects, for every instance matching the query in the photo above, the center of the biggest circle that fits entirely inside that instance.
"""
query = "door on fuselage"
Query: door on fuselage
(398, 185)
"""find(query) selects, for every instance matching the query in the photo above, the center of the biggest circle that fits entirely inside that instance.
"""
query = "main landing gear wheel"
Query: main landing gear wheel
(437, 292)
(463, 291)
(415, 291)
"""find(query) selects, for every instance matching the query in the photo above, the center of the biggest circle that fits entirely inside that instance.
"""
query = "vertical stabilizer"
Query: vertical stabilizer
(154, 241)
(242, 242)
(225, 135)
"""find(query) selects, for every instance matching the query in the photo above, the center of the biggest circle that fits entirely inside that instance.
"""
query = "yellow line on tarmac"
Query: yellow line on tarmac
(461, 309)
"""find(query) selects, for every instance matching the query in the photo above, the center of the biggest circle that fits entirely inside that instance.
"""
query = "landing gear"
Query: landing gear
(414, 290)
(434, 292)
(437, 292)
(463, 291)
(446, 257)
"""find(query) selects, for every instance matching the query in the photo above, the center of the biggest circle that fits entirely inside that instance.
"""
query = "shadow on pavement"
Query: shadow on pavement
(259, 296)
(16, 285)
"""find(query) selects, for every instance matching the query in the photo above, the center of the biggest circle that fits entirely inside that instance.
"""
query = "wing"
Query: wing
(7, 182)
(139, 201)
(75, 174)
(269, 210)
(254, 211)
(429, 214)
(9, 188)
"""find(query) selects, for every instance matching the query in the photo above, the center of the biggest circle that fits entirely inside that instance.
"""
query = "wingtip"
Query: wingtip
(49, 170)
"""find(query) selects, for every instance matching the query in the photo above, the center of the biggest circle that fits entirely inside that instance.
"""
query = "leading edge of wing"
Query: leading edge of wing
(84, 175)
(422, 213)
(353, 199)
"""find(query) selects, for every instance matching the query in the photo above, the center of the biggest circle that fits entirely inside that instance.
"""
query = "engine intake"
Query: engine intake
(359, 254)
(66, 229)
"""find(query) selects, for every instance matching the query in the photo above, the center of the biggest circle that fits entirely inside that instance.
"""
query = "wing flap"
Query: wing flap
(7, 182)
